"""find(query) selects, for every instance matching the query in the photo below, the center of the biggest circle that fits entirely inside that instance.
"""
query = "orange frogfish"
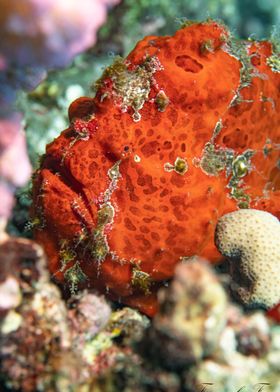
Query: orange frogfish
(182, 131)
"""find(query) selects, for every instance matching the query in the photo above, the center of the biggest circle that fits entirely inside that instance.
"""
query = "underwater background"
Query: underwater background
(88, 344)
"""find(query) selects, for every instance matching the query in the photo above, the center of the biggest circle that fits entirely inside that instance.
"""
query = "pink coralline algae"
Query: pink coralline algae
(36, 35)
(49, 33)
(15, 168)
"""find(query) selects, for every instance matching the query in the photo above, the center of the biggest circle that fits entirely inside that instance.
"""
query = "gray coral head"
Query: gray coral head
(191, 317)
(250, 239)
(89, 314)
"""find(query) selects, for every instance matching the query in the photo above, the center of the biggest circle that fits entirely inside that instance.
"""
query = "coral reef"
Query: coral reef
(117, 194)
(244, 350)
(199, 340)
(48, 344)
(191, 317)
(198, 337)
(250, 239)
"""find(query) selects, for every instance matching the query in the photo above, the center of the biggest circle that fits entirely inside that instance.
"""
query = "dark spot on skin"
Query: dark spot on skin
(135, 211)
(149, 184)
(153, 218)
(179, 215)
(144, 229)
(167, 145)
(177, 180)
(93, 167)
(149, 148)
(141, 141)
(141, 181)
(149, 208)
(155, 236)
(177, 200)
(134, 197)
(129, 225)
(128, 244)
(170, 240)
(145, 242)
(175, 229)
(188, 64)
(150, 191)
(163, 193)
(129, 185)
(92, 154)
(172, 115)
(147, 220)
(109, 154)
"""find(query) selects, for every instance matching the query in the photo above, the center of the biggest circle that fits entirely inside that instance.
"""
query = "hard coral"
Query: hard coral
(194, 298)
(251, 241)
(46, 343)
(182, 131)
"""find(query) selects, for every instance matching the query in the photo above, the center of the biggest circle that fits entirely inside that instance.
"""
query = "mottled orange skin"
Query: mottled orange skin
(160, 216)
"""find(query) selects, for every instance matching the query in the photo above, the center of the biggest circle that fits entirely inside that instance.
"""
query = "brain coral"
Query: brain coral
(251, 240)
(182, 131)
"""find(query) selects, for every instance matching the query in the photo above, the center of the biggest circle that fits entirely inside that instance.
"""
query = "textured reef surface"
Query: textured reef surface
(182, 131)
(82, 345)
